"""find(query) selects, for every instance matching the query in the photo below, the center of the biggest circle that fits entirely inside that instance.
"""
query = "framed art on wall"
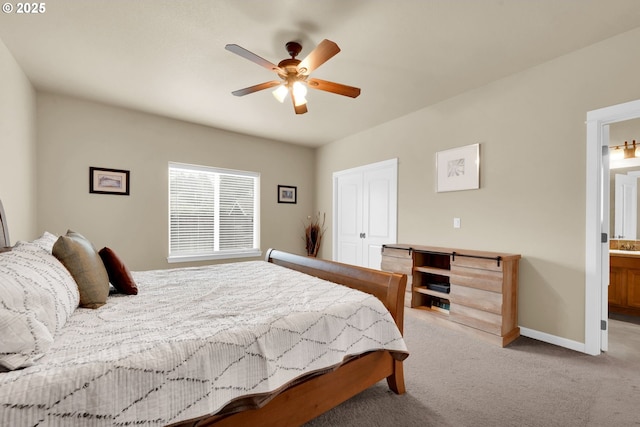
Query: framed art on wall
(458, 168)
(287, 194)
(108, 181)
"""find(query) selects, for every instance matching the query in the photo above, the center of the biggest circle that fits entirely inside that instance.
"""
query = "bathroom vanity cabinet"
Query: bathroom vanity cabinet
(624, 282)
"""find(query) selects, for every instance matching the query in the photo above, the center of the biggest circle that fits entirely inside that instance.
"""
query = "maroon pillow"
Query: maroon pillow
(119, 274)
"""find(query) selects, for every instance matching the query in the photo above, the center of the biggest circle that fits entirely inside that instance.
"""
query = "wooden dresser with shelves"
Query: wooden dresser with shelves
(469, 290)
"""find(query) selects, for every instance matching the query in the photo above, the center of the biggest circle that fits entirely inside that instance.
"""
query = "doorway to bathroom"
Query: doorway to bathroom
(598, 221)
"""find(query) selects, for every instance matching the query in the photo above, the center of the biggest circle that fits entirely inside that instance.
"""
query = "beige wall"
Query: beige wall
(531, 127)
(74, 135)
(17, 148)
(532, 197)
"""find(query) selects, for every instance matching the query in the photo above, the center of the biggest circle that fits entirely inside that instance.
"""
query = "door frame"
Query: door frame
(393, 163)
(596, 278)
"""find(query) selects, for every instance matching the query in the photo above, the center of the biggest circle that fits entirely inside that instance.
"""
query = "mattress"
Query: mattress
(192, 342)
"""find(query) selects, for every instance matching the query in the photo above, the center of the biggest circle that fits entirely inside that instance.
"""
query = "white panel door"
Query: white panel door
(365, 213)
(348, 222)
(379, 216)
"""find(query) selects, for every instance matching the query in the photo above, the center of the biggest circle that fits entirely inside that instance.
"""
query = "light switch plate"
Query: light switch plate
(456, 222)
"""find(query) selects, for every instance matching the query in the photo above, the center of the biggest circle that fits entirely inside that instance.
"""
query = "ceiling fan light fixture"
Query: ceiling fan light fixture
(299, 100)
(300, 92)
(299, 89)
(280, 93)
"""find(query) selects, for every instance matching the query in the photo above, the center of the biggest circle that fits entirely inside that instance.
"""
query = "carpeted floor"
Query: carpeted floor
(454, 380)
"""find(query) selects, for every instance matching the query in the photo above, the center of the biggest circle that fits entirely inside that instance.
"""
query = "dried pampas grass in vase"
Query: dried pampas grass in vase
(313, 233)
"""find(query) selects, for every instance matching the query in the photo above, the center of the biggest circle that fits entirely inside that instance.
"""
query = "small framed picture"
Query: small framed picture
(458, 168)
(108, 181)
(287, 194)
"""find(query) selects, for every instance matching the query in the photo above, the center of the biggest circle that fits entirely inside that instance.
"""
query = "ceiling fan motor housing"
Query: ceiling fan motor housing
(294, 48)
(290, 67)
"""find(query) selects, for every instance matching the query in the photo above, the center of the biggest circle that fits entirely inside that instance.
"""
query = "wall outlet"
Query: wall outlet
(456, 222)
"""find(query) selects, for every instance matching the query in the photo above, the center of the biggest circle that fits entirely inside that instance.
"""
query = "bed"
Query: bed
(127, 364)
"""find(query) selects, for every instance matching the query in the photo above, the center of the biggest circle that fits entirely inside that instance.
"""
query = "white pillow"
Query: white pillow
(44, 242)
(37, 296)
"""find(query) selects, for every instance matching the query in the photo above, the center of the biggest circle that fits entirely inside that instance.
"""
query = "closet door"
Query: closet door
(348, 219)
(365, 212)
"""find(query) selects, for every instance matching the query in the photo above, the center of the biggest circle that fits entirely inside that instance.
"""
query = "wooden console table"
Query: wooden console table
(472, 291)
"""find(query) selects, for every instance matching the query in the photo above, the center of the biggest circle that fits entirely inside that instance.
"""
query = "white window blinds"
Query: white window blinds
(213, 213)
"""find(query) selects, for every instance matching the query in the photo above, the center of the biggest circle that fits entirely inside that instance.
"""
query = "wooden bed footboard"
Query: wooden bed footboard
(387, 287)
(304, 401)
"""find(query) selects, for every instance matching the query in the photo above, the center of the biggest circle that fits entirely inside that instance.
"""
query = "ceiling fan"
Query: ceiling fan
(294, 74)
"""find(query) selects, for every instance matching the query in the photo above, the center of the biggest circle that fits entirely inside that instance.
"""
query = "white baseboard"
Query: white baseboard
(552, 339)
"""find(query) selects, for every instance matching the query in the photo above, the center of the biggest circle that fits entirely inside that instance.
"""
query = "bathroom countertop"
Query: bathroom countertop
(630, 254)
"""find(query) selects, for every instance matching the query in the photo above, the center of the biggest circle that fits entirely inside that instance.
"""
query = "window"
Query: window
(213, 213)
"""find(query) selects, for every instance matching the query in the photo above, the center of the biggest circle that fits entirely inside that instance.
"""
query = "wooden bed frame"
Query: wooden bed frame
(4, 230)
(306, 400)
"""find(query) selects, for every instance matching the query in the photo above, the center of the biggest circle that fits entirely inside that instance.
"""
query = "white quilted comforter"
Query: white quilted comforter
(191, 341)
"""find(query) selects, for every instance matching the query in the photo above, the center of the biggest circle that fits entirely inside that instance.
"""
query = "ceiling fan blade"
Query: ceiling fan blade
(318, 56)
(332, 87)
(300, 109)
(256, 88)
(253, 57)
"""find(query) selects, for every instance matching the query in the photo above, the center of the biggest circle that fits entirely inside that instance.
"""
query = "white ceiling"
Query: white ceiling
(167, 57)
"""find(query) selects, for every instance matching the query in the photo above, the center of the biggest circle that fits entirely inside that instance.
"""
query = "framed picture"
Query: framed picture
(287, 194)
(108, 181)
(458, 168)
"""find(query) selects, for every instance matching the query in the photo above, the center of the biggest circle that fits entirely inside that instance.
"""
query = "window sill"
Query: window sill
(251, 253)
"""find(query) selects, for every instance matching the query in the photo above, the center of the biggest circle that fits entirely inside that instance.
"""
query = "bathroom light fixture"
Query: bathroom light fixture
(629, 152)
(623, 156)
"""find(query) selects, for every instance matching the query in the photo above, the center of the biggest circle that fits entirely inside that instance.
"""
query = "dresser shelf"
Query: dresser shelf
(425, 291)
